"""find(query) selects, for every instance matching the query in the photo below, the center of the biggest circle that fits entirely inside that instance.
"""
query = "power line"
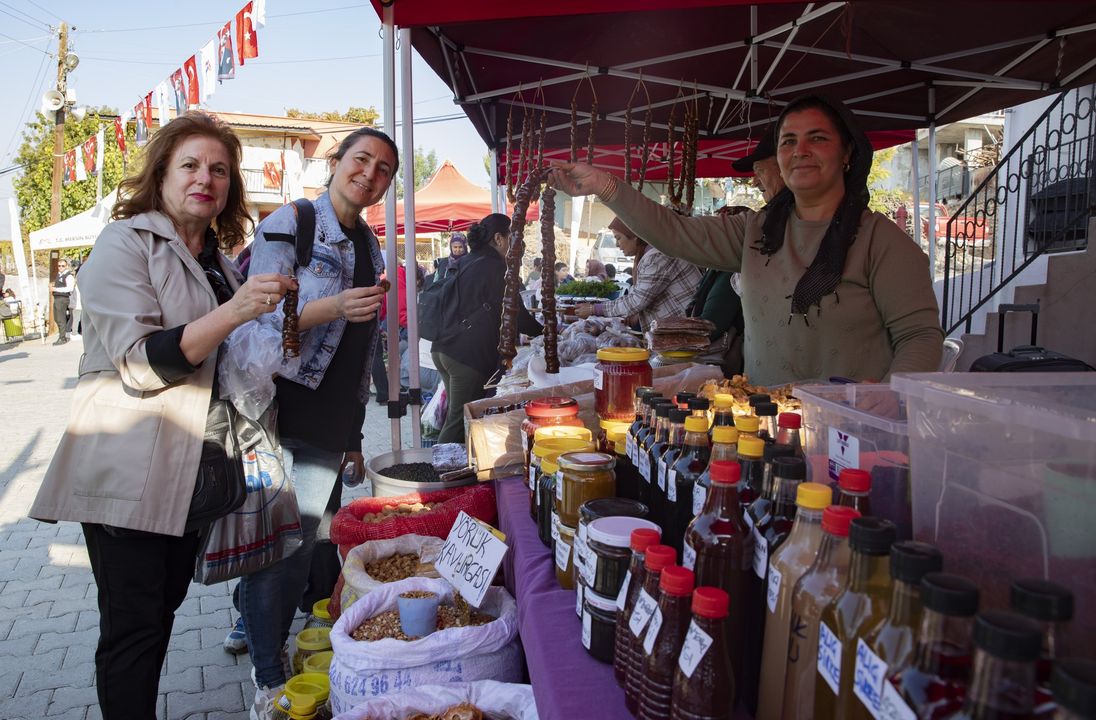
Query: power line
(45, 10)
(218, 22)
(36, 87)
(9, 37)
(35, 21)
(99, 58)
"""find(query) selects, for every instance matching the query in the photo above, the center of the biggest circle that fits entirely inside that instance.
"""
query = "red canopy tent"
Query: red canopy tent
(447, 203)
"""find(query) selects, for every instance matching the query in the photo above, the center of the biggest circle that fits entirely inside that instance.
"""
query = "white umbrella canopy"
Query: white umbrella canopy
(77, 231)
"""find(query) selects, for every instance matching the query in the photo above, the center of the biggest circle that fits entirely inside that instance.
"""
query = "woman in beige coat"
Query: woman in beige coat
(159, 298)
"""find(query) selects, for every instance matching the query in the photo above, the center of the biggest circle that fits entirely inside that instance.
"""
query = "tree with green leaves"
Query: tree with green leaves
(34, 185)
(883, 201)
(426, 164)
(362, 115)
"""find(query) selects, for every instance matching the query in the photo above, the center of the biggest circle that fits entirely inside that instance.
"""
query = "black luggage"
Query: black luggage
(1025, 358)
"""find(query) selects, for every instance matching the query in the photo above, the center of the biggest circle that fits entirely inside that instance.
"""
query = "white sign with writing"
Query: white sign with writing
(599, 379)
(892, 706)
(696, 645)
(470, 557)
(622, 596)
(829, 657)
(587, 626)
(662, 474)
(844, 452)
(688, 556)
(868, 677)
(671, 485)
(700, 493)
(772, 592)
(641, 613)
(563, 555)
(652, 631)
(761, 554)
(630, 447)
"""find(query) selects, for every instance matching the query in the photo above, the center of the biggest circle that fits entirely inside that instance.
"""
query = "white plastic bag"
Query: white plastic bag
(362, 670)
(249, 359)
(357, 582)
(433, 415)
(495, 699)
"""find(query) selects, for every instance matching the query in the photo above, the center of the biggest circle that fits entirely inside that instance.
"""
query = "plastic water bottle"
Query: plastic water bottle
(351, 476)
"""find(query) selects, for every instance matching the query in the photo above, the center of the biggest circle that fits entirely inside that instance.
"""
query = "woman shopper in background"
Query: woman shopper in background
(321, 408)
(158, 300)
(467, 359)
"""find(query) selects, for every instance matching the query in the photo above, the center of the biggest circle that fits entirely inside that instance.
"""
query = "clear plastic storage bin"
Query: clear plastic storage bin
(1004, 480)
(860, 426)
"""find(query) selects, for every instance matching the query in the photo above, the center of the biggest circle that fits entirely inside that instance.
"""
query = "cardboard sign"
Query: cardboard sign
(471, 556)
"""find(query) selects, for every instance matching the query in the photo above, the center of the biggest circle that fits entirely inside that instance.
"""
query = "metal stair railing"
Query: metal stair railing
(1036, 200)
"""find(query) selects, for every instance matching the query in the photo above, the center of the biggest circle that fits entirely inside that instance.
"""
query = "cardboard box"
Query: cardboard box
(494, 438)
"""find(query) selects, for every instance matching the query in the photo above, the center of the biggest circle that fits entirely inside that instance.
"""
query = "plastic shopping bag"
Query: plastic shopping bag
(267, 527)
(433, 415)
(248, 361)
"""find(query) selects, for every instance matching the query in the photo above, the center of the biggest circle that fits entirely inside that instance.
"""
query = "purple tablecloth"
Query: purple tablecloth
(567, 682)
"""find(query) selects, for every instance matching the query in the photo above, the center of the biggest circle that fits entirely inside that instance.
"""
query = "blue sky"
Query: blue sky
(321, 55)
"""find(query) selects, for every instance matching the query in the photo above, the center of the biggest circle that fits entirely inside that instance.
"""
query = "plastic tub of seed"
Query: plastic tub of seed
(406, 471)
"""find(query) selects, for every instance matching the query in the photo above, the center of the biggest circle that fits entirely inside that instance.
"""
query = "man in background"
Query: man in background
(61, 290)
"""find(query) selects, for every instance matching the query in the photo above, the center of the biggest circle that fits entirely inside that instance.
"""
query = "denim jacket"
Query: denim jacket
(330, 272)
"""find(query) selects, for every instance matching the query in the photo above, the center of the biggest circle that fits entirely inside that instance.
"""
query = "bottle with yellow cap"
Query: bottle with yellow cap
(747, 426)
(724, 449)
(786, 566)
(751, 456)
(627, 478)
(681, 475)
(552, 440)
(723, 410)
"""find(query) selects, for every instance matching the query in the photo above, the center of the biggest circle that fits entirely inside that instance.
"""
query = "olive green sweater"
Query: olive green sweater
(882, 319)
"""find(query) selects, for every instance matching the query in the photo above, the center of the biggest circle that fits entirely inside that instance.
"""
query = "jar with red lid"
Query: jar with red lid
(544, 412)
(617, 374)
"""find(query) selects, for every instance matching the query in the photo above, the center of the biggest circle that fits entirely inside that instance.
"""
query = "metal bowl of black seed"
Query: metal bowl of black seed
(407, 471)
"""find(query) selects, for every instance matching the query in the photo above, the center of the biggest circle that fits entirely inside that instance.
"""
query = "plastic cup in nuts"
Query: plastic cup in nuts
(418, 613)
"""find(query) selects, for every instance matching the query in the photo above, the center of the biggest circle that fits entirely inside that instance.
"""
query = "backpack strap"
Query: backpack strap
(306, 231)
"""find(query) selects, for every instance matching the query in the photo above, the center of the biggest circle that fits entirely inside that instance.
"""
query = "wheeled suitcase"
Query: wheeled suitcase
(1026, 358)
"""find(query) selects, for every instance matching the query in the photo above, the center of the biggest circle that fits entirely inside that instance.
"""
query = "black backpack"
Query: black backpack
(439, 307)
(303, 239)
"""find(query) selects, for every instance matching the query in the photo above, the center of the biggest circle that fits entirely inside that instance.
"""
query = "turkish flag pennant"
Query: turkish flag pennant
(226, 65)
(120, 134)
(148, 112)
(192, 93)
(70, 167)
(90, 153)
(247, 40)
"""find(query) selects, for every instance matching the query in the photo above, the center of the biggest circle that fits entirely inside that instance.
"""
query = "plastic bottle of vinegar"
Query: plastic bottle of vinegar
(786, 566)
(814, 591)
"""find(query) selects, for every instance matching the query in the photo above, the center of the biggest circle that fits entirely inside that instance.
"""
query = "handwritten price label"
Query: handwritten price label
(662, 474)
(696, 646)
(470, 557)
(829, 657)
(652, 631)
(772, 592)
(671, 485)
(645, 607)
(868, 678)
(688, 556)
(700, 493)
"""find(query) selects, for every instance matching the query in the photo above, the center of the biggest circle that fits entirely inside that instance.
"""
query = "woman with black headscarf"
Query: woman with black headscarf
(829, 288)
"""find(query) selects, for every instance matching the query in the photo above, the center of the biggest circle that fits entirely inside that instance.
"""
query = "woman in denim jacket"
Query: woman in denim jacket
(321, 406)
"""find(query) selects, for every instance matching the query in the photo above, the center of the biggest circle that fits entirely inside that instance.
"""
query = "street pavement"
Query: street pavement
(48, 616)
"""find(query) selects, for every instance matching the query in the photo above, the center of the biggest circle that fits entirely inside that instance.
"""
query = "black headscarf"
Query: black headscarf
(824, 273)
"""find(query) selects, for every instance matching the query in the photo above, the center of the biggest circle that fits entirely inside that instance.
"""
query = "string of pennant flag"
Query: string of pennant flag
(186, 88)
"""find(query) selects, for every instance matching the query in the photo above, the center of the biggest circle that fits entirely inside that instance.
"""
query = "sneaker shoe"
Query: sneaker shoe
(236, 641)
(265, 701)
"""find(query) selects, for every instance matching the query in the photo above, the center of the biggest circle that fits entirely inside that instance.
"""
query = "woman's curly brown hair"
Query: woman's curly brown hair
(140, 193)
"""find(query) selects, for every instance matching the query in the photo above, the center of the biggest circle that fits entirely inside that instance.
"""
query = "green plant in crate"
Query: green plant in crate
(588, 288)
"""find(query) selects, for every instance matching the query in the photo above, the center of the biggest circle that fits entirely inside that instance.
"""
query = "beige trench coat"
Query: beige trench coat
(129, 455)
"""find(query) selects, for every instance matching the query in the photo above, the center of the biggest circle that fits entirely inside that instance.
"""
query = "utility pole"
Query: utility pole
(59, 126)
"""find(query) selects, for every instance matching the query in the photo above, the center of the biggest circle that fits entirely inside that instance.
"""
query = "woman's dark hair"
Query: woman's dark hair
(610, 270)
(483, 232)
(141, 193)
(350, 140)
(824, 273)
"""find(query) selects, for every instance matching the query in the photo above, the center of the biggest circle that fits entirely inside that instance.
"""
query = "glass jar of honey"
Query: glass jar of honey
(542, 446)
(564, 573)
(546, 412)
(582, 476)
(617, 374)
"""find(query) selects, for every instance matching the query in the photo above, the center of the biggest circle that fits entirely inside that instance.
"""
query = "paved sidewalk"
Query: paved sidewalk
(48, 616)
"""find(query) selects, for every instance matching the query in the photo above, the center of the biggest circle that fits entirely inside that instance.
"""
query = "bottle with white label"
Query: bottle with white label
(724, 448)
(663, 453)
(786, 566)
(656, 559)
(663, 641)
(857, 608)
(704, 679)
(935, 684)
(641, 540)
(648, 469)
(680, 477)
(723, 549)
(1002, 684)
(890, 644)
(814, 591)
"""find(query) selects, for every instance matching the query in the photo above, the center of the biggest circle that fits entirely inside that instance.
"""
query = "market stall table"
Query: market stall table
(567, 682)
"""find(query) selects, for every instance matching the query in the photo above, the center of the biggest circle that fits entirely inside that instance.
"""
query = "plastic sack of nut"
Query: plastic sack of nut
(248, 361)
(390, 561)
(492, 699)
(361, 669)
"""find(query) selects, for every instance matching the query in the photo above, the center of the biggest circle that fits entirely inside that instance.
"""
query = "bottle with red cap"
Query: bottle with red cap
(704, 678)
(854, 490)
(656, 559)
(663, 641)
(719, 547)
(814, 591)
(641, 539)
(788, 425)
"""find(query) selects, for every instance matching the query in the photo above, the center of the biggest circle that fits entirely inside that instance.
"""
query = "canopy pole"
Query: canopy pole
(915, 172)
(390, 240)
(495, 181)
(932, 180)
(410, 261)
